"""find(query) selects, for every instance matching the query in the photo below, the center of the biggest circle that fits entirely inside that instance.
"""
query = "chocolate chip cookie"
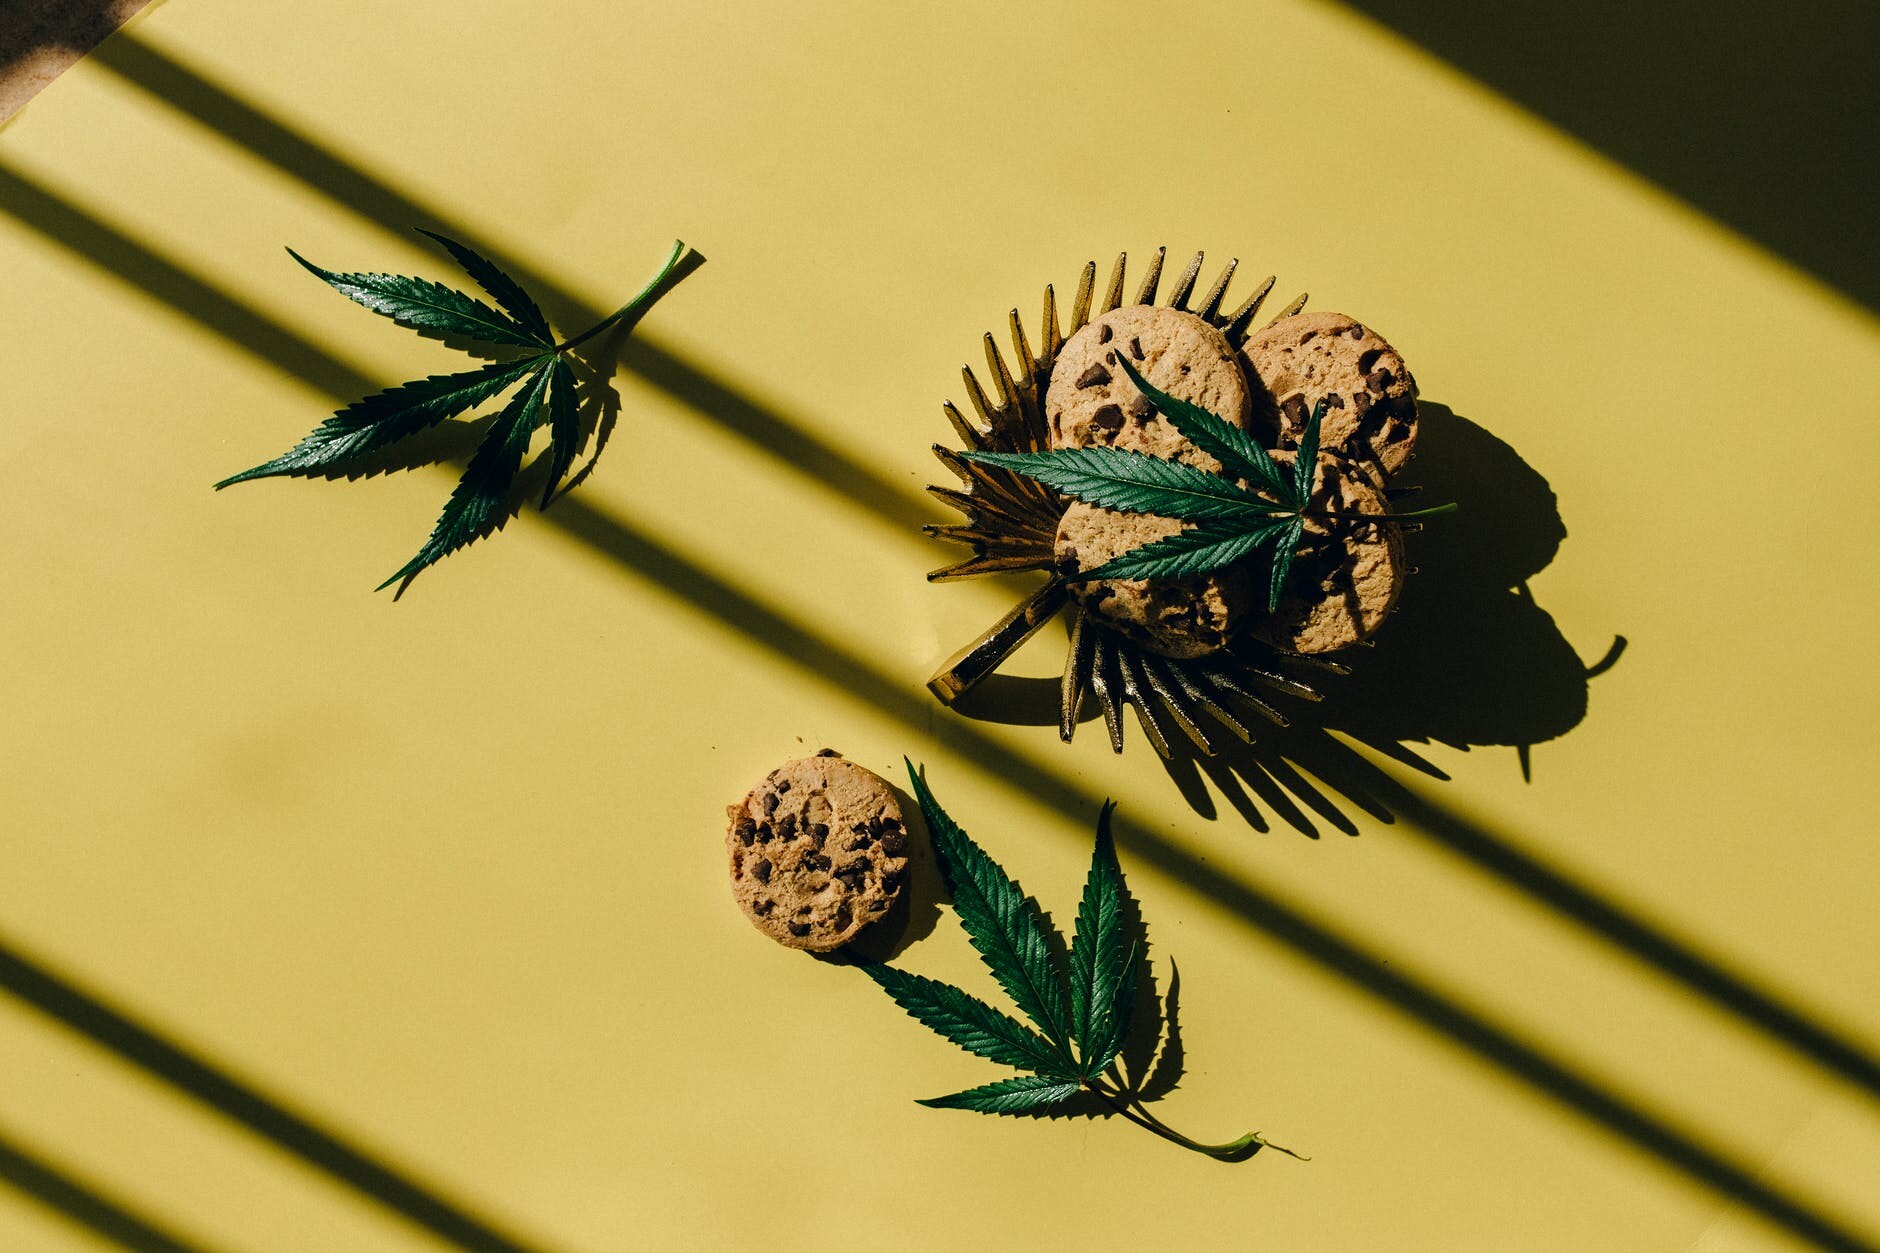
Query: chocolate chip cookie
(1346, 576)
(1181, 618)
(818, 850)
(1091, 403)
(1370, 398)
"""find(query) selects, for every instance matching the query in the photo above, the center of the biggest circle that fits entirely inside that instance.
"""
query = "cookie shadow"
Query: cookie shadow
(1469, 659)
(915, 913)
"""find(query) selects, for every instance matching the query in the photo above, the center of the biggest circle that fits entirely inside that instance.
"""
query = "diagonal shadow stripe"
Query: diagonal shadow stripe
(846, 674)
(1760, 115)
(65, 1194)
(1628, 932)
(85, 1013)
(176, 86)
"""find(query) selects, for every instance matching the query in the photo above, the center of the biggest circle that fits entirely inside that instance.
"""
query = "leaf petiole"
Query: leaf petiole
(1233, 1150)
(639, 303)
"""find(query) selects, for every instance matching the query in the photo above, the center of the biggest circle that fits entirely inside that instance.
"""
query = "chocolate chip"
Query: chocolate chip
(770, 802)
(892, 880)
(1361, 402)
(816, 861)
(802, 911)
(1357, 332)
(1294, 407)
(894, 843)
(1103, 335)
(890, 824)
(827, 752)
(1334, 401)
(1395, 432)
(762, 907)
(860, 842)
(1108, 417)
(783, 785)
(819, 832)
(1095, 376)
(875, 907)
(762, 869)
(1378, 379)
(786, 826)
(1135, 347)
(1067, 561)
(1140, 408)
(747, 830)
(799, 929)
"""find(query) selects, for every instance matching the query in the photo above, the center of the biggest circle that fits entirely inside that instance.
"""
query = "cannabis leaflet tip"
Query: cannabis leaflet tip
(547, 395)
(1079, 1010)
(1231, 522)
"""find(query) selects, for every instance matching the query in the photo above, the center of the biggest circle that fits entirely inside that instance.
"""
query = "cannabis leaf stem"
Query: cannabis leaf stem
(1235, 1150)
(1080, 1009)
(547, 396)
(1232, 521)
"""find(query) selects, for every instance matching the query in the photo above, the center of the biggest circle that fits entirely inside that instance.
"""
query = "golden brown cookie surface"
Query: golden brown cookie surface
(817, 851)
(1346, 577)
(1370, 397)
(1174, 617)
(1092, 404)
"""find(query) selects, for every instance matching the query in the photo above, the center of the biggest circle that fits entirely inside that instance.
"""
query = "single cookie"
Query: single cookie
(817, 851)
(1346, 576)
(1091, 403)
(1189, 617)
(1370, 398)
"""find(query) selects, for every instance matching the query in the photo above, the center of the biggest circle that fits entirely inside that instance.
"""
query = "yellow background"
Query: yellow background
(442, 879)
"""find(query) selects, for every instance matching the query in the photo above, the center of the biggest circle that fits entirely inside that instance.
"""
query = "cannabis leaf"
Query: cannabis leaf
(547, 395)
(1232, 522)
(1080, 1010)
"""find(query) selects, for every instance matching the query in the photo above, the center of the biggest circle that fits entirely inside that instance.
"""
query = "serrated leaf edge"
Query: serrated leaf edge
(364, 289)
(503, 289)
(1016, 1095)
(1023, 964)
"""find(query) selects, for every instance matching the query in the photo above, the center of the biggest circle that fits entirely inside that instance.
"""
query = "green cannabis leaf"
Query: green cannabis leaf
(1080, 1011)
(1232, 522)
(547, 394)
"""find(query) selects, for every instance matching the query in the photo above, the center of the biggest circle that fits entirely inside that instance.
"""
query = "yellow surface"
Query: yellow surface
(441, 879)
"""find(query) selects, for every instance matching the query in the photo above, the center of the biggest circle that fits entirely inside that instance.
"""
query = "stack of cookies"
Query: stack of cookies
(1347, 577)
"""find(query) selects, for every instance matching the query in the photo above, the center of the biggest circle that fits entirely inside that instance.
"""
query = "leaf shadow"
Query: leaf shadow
(1469, 659)
(1153, 1060)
